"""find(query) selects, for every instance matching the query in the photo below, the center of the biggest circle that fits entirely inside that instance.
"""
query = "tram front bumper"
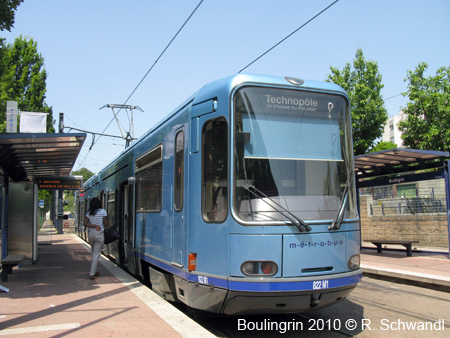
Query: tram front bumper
(268, 296)
(245, 303)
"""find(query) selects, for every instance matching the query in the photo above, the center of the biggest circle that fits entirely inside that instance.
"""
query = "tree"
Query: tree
(427, 123)
(45, 195)
(383, 146)
(69, 194)
(7, 8)
(363, 86)
(24, 80)
(86, 173)
(2, 51)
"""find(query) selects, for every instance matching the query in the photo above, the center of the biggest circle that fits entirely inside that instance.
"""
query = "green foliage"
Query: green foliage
(363, 86)
(427, 125)
(7, 8)
(86, 173)
(23, 79)
(45, 195)
(2, 51)
(383, 146)
(69, 194)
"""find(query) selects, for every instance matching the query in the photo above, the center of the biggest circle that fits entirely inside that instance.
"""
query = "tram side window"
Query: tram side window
(86, 209)
(111, 209)
(179, 171)
(215, 170)
(149, 181)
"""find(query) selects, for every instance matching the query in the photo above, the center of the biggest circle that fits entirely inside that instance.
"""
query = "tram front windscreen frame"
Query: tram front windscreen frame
(292, 152)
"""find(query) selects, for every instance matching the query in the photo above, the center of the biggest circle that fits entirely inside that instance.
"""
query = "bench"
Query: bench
(8, 263)
(405, 243)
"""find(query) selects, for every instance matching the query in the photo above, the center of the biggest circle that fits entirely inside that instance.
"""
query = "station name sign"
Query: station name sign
(60, 182)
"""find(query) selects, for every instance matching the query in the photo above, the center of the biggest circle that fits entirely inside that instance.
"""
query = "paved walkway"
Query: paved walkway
(55, 298)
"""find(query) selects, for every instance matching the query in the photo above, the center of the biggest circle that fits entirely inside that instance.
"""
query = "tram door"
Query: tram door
(179, 203)
(128, 227)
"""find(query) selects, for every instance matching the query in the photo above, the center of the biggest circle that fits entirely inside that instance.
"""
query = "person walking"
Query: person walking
(96, 220)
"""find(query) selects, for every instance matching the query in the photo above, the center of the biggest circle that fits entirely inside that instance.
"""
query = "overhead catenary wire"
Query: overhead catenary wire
(91, 132)
(391, 97)
(162, 53)
(175, 36)
(287, 37)
(159, 57)
(146, 74)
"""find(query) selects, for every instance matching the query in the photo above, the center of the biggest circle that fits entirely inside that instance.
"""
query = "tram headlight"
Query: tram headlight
(248, 268)
(259, 268)
(354, 262)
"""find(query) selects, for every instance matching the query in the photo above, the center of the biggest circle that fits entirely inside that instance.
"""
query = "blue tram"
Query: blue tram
(241, 201)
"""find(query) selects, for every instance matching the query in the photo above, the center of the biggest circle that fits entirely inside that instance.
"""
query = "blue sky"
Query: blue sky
(97, 51)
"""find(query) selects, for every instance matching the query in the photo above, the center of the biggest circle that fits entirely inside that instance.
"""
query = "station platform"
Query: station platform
(427, 267)
(55, 297)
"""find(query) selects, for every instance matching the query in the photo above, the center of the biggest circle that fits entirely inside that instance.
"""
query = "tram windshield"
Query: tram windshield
(292, 156)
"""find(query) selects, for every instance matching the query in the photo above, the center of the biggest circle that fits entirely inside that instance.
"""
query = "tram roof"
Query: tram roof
(24, 156)
(397, 161)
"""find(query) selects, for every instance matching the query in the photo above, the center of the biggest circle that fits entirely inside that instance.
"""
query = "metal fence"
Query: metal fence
(423, 197)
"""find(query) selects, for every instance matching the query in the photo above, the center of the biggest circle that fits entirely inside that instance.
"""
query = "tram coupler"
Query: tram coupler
(315, 299)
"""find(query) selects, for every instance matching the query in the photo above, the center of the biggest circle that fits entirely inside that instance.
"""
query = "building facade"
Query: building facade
(391, 131)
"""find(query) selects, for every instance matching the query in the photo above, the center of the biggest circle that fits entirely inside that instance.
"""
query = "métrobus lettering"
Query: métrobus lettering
(307, 102)
(316, 244)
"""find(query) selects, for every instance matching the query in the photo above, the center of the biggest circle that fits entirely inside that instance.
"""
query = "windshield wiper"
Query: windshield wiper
(340, 216)
(297, 222)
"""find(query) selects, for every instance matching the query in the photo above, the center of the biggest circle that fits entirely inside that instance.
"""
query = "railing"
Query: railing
(407, 206)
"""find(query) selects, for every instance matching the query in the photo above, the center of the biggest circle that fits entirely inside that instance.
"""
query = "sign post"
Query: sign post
(11, 116)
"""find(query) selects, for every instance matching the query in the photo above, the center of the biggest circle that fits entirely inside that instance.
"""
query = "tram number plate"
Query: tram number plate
(320, 284)
(203, 279)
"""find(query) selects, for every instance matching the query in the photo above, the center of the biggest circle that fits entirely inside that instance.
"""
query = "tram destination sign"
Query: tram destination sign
(60, 182)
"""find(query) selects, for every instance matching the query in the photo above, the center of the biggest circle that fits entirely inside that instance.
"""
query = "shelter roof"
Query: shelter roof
(396, 161)
(24, 156)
